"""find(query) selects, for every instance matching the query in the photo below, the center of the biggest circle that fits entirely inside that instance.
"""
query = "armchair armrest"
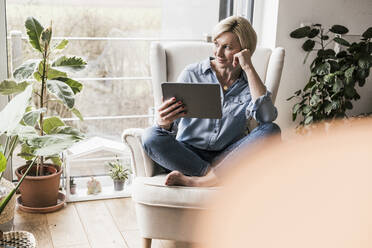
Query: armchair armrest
(142, 165)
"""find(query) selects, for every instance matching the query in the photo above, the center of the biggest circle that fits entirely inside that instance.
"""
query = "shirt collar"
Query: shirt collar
(206, 65)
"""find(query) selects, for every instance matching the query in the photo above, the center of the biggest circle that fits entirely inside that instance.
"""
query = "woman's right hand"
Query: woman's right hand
(168, 111)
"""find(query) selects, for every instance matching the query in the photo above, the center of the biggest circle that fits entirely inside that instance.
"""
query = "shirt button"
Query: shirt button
(215, 131)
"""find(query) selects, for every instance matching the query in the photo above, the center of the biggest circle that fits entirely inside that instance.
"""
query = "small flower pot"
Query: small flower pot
(73, 189)
(118, 185)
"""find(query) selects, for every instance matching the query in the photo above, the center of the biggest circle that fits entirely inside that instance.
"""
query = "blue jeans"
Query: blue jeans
(172, 154)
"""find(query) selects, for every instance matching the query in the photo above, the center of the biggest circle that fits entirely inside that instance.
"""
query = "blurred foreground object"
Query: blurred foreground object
(315, 191)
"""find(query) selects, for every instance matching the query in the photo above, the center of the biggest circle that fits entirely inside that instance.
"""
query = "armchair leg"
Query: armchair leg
(146, 243)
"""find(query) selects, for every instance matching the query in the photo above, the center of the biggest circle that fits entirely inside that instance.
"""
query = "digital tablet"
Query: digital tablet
(202, 100)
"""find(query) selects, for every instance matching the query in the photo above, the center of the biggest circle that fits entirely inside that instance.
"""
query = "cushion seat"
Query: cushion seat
(153, 192)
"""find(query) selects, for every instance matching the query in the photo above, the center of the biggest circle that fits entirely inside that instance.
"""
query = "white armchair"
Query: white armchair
(169, 212)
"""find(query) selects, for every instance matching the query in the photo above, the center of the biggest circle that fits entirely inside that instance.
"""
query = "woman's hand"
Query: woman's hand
(243, 58)
(169, 111)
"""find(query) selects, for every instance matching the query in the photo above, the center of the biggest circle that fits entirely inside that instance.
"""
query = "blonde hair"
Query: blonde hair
(241, 28)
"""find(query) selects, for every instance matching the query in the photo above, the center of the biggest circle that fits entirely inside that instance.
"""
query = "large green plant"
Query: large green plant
(334, 74)
(38, 82)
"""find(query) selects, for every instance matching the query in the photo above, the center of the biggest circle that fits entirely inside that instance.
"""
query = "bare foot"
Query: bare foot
(177, 178)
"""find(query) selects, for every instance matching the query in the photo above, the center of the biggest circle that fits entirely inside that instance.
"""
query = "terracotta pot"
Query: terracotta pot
(40, 191)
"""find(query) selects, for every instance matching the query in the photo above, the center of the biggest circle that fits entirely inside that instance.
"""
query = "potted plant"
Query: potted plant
(41, 132)
(334, 73)
(118, 173)
(72, 186)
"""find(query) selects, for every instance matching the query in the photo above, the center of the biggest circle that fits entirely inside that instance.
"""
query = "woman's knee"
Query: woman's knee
(152, 138)
(268, 128)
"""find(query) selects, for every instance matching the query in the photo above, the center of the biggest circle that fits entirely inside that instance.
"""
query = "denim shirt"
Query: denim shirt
(237, 107)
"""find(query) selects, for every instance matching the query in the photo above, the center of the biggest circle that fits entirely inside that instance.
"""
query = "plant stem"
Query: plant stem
(40, 170)
(5, 201)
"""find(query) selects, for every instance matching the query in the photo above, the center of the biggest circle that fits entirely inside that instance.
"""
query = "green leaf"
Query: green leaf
(51, 72)
(296, 107)
(349, 72)
(306, 110)
(2, 162)
(323, 69)
(350, 92)
(337, 86)
(329, 78)
(314, 100)
(69, 64)
(66, 130)
(364, 61)
(324, 37)
(294, 116)
(341, 54)
(74, 85)
(361, 82)
(327, 53)
(339, 29)
(362, 74)
(30, 118)
(62, 91)
(26, 69)
(308, 120)
(62, 44)
(13, 112)
(341, 41)
(34, 29)
(77, 113)
(348, 105)
(52, 122)
(368, 33)
(53, 144)
(328, 108)
(314, 32)
(45, 37)
(8, 87)
(300, 32)
(56, 160)
(26, 152)
(308, 45)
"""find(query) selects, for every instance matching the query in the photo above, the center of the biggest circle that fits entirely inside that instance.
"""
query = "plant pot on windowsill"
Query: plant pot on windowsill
(7, 216)
(119, 185)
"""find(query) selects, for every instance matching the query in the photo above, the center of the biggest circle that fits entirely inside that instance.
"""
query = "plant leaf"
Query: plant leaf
(62, 44)
(26, 69)
(62, 91)
(8, 87)
(323, 69)
(308, 45)
(13, 112)
(2, 162)
(67, 130)
(308, 120)
(45, 37)
(77, 113)
(314, 32)
(368, 33)
(337, 86)
(300, 32)
(56, 160)
(339, 29)
(341, 41)
(34, 29)
(74, 85)
(69, 64)
(53, 144)
(26, 152)
(52, 122)
(30, 118)
(51, 72)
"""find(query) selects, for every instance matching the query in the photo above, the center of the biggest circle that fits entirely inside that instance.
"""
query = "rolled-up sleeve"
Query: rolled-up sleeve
(263, 109)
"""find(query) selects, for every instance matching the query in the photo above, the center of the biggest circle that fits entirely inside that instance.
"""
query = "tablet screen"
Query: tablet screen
(202, 100)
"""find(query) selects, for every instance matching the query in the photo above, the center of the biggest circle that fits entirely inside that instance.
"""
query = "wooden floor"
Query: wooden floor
(92, 224)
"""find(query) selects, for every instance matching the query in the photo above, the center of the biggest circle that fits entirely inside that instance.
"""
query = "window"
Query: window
(114, 37)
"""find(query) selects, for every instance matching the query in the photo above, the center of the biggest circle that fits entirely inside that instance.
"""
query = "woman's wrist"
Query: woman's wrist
(166, 127)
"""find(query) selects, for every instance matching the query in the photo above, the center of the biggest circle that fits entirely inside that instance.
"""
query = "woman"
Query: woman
(193, 149)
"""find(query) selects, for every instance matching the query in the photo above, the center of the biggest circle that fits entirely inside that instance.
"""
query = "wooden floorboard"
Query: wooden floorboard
(104, 224)
(37, 225)
(99, 225)
(66, 228)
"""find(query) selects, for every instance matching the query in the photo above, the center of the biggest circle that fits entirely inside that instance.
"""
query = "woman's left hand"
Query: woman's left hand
(243, 58)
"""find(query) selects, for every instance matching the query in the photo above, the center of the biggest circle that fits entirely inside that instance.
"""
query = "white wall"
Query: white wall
(354, 14)
(189, 19)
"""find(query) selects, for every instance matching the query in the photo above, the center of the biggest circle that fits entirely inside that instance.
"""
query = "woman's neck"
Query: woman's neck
(226, 75)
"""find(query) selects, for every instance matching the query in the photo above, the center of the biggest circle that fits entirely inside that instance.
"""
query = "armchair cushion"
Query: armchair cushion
(152, 191)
